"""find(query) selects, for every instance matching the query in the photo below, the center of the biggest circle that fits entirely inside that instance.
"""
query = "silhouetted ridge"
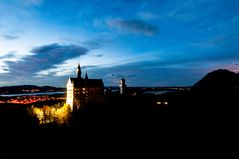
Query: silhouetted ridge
(28, 89)
(220, 83)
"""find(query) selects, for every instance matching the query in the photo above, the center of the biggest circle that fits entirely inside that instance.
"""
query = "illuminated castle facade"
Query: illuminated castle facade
(80, 90)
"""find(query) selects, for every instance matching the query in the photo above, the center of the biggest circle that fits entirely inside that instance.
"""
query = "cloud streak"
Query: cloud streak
(141, 72)
(9, 55)
(45, 57)
(88, 67)
(134, 26)
(9, 37)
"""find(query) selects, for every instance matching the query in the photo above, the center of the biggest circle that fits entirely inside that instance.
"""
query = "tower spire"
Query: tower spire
(86, 75)
(78, 71)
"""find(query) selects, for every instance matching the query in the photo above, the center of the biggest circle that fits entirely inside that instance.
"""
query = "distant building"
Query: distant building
(80, 90)
(122, 86)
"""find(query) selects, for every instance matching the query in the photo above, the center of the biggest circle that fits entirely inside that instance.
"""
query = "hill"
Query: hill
(218, 83)
(28, 89)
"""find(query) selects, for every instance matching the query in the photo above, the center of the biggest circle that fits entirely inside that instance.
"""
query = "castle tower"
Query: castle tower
(78, 71)
(122, 86)
(70, 94)
(86, 76)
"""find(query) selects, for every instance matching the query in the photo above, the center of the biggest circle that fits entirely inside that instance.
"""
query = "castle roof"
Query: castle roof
(80, 82)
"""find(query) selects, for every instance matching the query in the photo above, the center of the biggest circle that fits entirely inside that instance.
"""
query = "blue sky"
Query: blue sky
(148, 42)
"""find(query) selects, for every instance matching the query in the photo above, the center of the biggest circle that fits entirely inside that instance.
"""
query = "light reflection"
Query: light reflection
(52, 114)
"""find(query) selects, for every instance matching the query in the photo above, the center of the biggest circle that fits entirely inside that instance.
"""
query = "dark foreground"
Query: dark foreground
(129, 112)
(120, 126)
(120, 120)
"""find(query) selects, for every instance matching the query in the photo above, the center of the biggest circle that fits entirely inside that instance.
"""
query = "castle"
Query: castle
(80, 90)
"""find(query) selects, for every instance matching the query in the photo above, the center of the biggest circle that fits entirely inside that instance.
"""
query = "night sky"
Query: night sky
(148, 42)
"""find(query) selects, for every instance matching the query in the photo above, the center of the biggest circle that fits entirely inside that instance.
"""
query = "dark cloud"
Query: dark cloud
(98, 55)
(136, 26)
(123, 75)
(5, 69)
(45, 57)
(9, 37)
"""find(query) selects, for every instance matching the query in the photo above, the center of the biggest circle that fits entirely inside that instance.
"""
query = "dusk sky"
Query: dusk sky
(148, 42)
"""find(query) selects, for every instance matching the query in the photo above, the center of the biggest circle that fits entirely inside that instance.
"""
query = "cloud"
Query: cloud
(3, 69)
(9, 37)
(45, 57)
(188, 10)
(122, 75)
(88, 67)
(98, 55)
(94, 44)
(4, 59)
(221, 40)
(150, 73)
(11, 54)
(64, 69)
(135, 26)
(148, 16)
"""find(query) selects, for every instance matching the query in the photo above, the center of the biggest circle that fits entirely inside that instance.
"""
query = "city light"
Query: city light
(31, 99)
(164, 103)
(51, 114)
